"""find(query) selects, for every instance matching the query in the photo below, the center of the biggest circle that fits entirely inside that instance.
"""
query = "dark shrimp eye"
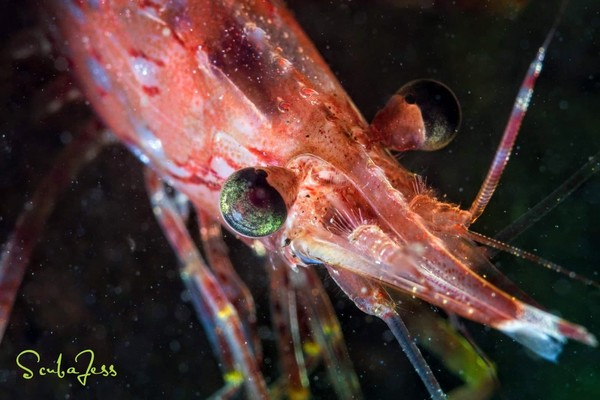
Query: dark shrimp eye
(440, 110)
(422, 115)
(250, 205)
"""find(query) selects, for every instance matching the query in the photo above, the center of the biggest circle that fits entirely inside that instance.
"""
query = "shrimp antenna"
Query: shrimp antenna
(511, 131)
(496, 244)
(555, 198)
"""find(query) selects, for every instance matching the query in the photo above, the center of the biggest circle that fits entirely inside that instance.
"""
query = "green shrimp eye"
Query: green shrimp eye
(250, 205)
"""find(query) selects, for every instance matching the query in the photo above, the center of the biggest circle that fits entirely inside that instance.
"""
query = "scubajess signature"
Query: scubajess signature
(30, 360)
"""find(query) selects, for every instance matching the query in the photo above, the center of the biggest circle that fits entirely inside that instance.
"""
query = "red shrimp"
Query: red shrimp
(198, 100)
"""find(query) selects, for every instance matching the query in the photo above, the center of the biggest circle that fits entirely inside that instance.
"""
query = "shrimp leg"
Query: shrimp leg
(372, 299)
(459, 356)
(30, 224)
(212, 304)
(327, 333)
(235, 289)
(286, 324)
(307, 327)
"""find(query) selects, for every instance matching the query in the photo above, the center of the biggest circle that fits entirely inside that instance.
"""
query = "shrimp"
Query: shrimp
(133, 245)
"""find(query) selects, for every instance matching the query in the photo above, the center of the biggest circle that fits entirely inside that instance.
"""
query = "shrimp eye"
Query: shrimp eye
(250, 205)
(423, 115)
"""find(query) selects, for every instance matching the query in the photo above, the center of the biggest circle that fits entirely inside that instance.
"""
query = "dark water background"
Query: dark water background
(104, 277)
